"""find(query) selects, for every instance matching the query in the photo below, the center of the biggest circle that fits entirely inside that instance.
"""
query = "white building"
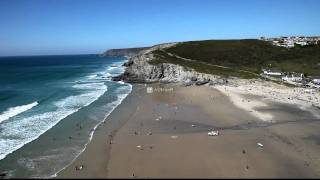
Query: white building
(290, 42)
(269, 72)
(295, 77)
(302, 43)
(316, 81)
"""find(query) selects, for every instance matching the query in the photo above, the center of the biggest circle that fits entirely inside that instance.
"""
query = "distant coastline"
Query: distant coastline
(124, 52)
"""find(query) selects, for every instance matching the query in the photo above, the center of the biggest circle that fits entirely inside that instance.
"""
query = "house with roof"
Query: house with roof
(293, 77)
(315, 80)
(272, 72)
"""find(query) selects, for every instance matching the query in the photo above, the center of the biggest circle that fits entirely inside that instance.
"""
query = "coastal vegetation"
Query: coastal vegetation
(123, 52)
(241, 58)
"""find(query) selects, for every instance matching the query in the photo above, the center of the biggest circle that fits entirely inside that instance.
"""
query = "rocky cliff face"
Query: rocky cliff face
(138, 69)
(124, 52)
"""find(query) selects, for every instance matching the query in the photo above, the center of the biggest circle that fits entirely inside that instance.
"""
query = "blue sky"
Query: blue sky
(37, 27)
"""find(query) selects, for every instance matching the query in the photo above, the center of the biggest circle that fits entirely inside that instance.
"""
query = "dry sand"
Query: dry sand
(164, 135)
(307, 99)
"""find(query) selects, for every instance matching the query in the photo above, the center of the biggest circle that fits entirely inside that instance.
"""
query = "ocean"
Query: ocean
(49, 108)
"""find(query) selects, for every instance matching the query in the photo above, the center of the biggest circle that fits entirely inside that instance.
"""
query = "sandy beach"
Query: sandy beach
(164, 134)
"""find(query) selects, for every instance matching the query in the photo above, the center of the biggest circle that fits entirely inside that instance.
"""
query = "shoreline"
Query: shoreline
(62, 122)
(138, 138)
(66, 172)
(92, 134)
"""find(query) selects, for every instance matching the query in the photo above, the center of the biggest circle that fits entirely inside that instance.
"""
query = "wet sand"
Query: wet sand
(164, 134)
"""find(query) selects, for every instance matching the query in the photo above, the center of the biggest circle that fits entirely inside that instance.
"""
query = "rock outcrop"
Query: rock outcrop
(140, 70)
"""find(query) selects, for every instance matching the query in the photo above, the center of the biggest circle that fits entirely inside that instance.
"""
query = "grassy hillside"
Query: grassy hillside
(124, 52)
(241, 57)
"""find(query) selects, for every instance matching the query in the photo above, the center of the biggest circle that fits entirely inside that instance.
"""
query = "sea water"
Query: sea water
(49, 108)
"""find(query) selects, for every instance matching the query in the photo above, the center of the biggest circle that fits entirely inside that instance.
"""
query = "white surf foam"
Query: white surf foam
(13, 111)
(15, 135)
(111, 68)
(90, 86)
(18, 133)
(122, 92)
(92, 76)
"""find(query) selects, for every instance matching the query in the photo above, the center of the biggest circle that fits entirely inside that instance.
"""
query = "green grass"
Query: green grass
(242, 55)
(161, 57)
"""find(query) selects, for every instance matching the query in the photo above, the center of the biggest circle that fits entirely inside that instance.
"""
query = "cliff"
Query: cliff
(211, 60)
(124, 52)
(140, 68)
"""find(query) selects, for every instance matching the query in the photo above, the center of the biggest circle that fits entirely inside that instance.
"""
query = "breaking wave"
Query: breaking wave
(13, 111)
(26, 129)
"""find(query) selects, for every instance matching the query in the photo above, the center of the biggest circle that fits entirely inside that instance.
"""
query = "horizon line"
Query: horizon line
(257, 38)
